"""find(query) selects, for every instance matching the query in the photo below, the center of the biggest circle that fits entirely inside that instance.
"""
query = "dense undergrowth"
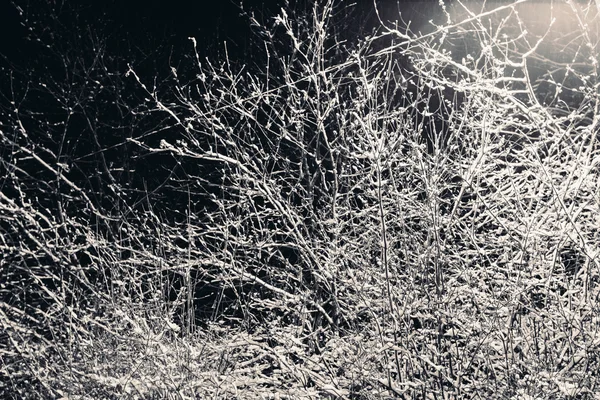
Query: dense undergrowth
(413, 215)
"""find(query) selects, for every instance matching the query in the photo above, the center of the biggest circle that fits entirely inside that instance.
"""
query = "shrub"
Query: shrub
(404, 214)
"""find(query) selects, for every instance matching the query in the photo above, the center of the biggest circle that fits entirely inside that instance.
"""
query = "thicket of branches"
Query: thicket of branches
(408, 215)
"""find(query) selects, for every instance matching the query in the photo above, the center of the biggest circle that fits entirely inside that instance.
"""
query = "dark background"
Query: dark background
(146, 23)
(136, 23)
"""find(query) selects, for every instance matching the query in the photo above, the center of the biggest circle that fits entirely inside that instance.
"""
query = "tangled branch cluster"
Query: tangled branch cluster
(412, 215)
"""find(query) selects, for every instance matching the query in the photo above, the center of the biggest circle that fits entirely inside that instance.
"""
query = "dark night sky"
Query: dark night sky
(169, 21)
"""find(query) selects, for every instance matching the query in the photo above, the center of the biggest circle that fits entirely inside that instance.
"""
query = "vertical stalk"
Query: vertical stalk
(384, 260)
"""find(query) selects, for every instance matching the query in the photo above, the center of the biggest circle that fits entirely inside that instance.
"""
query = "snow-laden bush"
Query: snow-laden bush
(405, 215)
